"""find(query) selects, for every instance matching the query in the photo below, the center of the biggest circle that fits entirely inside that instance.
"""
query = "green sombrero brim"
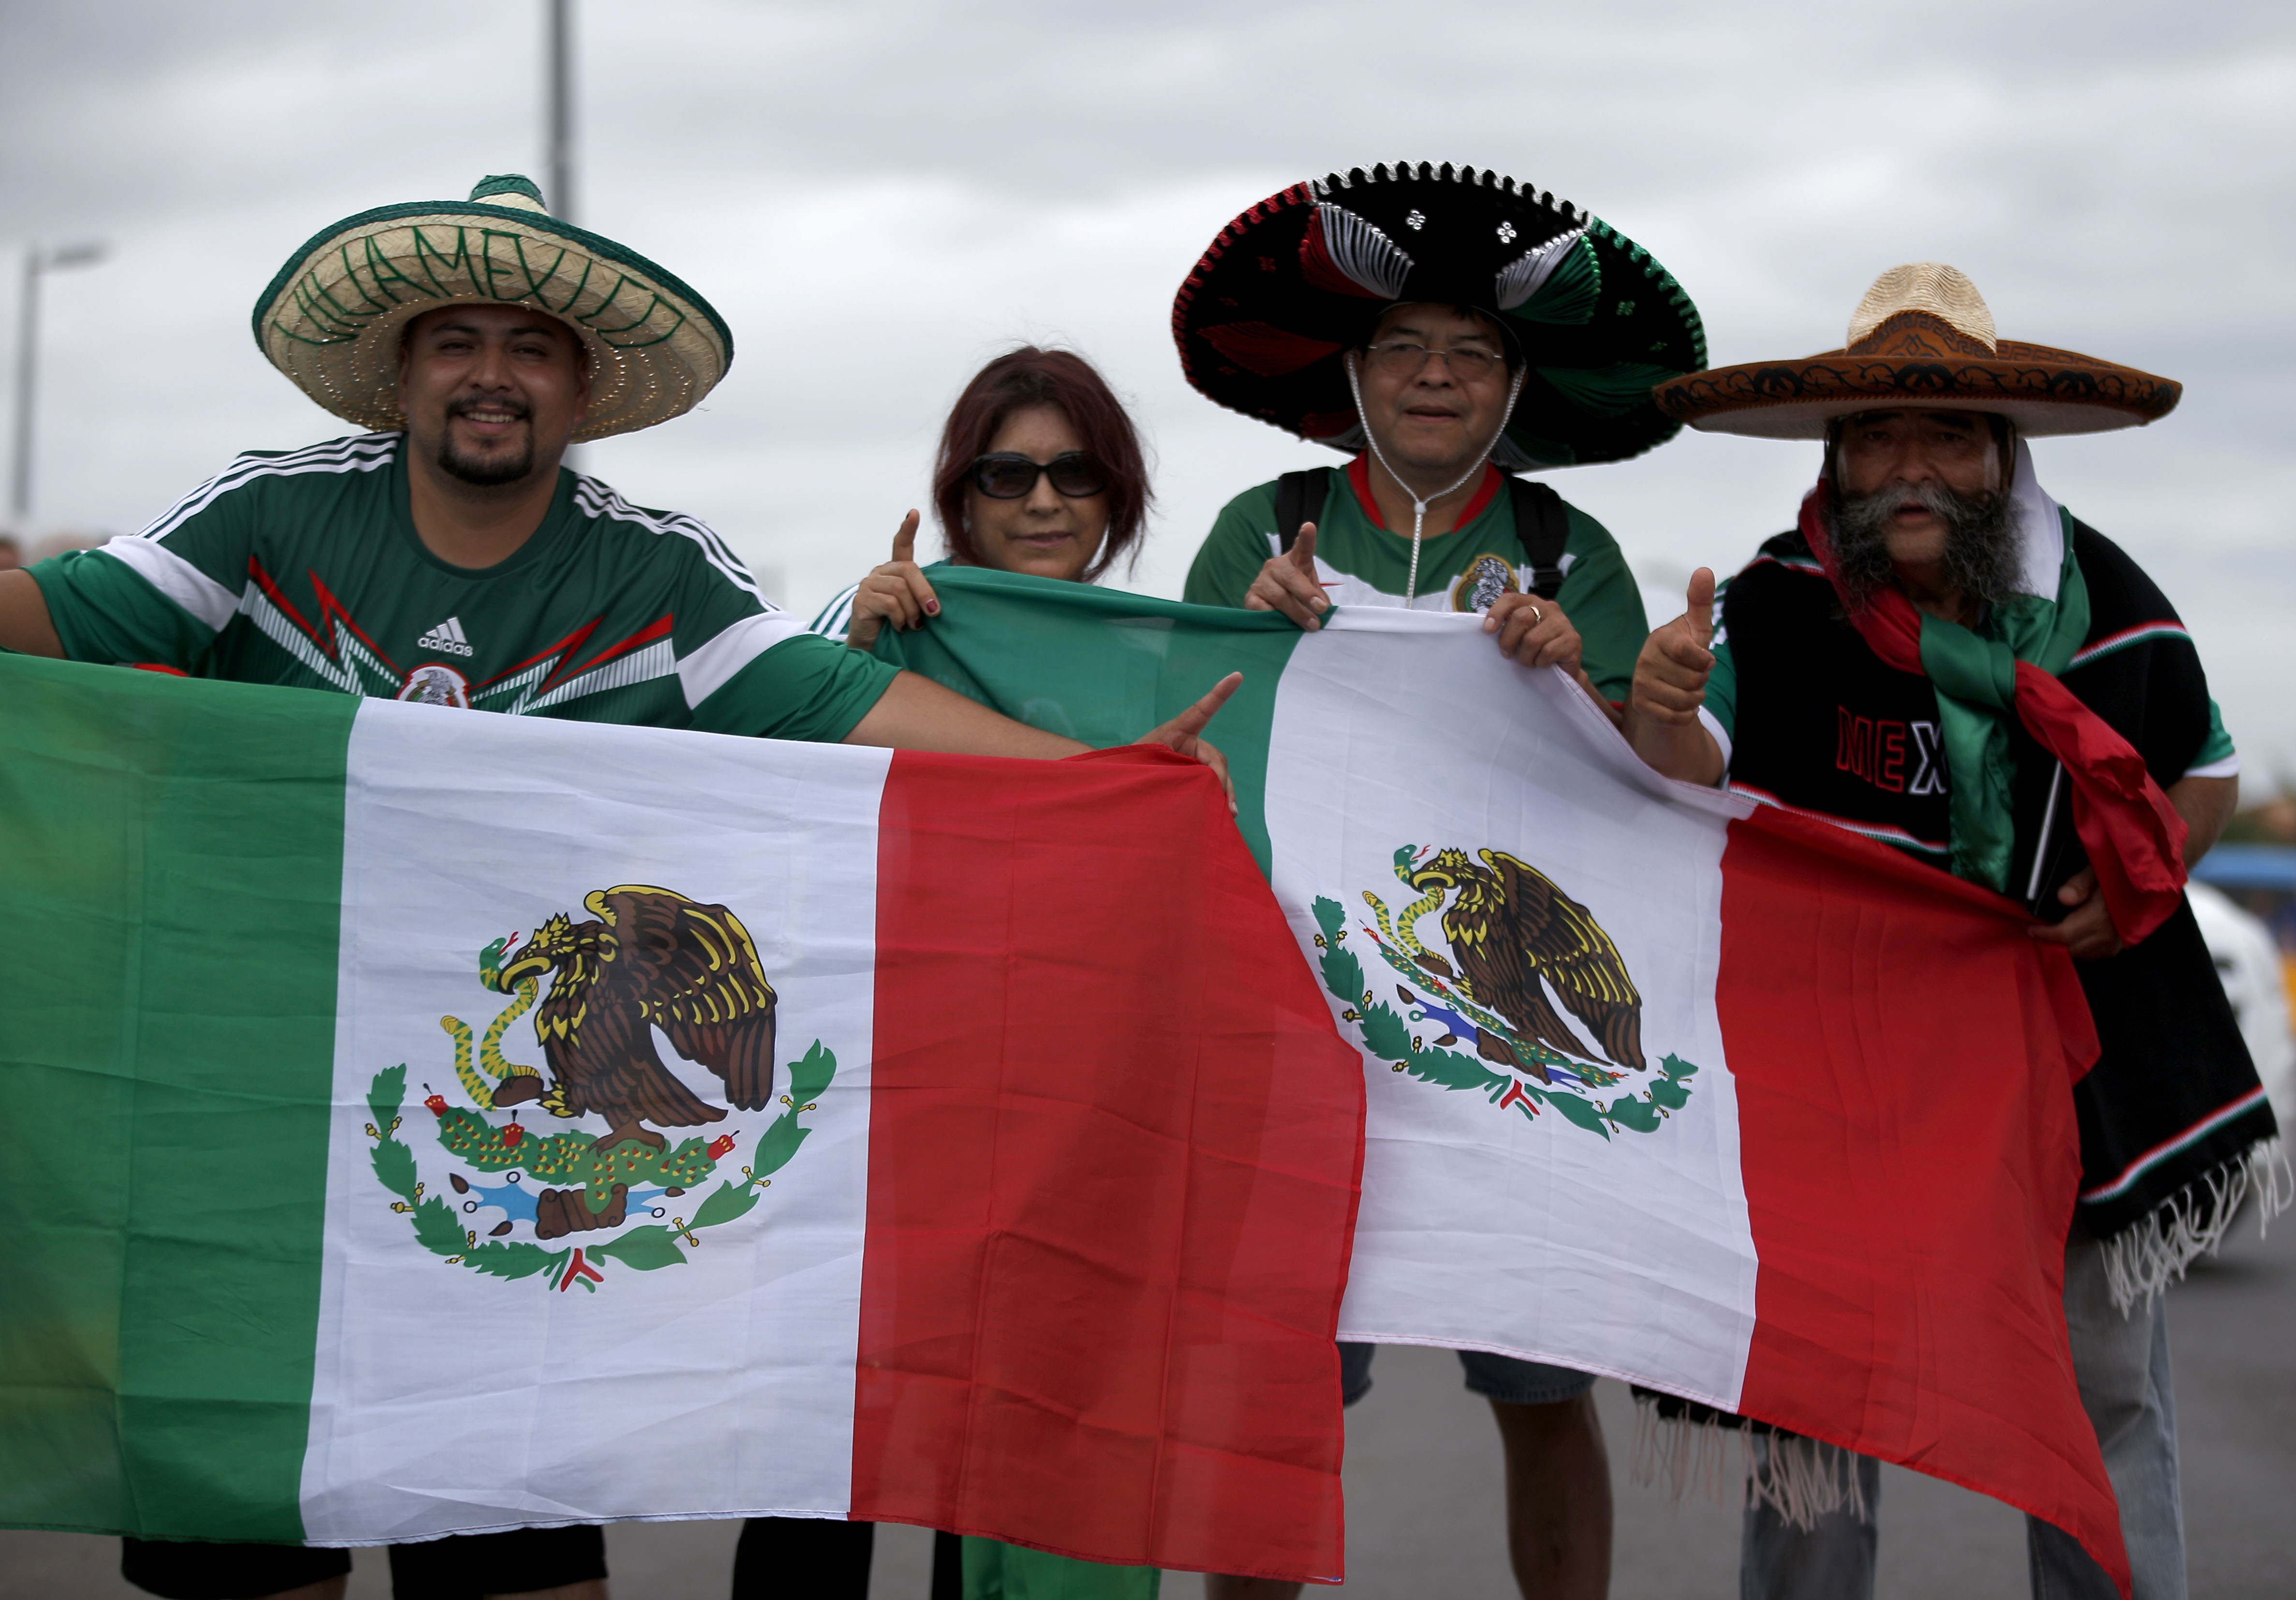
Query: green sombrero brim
(331, 317)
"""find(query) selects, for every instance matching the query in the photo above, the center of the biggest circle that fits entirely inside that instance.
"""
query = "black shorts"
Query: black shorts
(461, 1567)
(198, 1571)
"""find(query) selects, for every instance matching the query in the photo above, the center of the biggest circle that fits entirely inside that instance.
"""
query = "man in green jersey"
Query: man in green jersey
(1445, 329)
(448, 557)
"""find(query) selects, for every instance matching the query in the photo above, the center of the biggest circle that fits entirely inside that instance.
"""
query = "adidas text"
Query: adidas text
(446, 637)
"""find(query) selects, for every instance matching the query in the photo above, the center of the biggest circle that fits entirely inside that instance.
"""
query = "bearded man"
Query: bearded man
(1942, 659)
(1447, 328)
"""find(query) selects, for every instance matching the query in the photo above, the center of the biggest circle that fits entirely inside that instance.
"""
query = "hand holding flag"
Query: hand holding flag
(2086, 931)
(897, 592)
(1287, 584)
(1535, 632)
(1183, 734)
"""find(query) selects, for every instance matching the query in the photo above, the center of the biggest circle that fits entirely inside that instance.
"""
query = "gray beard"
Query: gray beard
(1981, 542)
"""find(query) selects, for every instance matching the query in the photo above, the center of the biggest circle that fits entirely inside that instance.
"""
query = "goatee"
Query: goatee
(487, 472)
(1981, 541)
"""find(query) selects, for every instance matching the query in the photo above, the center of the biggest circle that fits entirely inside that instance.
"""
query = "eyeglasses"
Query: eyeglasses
(1008, 475)
(1402, 358)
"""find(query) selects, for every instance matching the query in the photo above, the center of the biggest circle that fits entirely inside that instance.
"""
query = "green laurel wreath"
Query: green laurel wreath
(643, 1249)
(1389, 1037)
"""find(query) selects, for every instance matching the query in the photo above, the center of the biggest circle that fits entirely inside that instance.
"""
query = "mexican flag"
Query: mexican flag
(1661, 1083)
(426, 1122)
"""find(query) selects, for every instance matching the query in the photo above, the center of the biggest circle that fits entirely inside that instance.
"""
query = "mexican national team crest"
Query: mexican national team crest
(649, 961)
(1517, 946)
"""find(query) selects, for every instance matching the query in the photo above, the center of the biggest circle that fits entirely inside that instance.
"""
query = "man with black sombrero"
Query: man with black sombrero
(1445, 329)
(446, 556)
(1942, 658)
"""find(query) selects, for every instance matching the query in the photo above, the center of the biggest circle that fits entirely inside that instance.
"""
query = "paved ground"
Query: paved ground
(1423, 1490)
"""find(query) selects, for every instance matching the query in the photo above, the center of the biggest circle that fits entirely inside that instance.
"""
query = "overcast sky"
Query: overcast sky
(878, 197)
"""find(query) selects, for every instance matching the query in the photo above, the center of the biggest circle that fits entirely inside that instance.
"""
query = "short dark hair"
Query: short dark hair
(1066, 381)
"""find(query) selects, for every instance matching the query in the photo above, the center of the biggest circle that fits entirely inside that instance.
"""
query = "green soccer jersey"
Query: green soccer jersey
(303, 567)
(1360, 562)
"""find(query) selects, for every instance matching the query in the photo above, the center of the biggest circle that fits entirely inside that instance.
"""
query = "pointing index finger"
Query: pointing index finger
(905, 542)
(1303, 552)
(1192, 721)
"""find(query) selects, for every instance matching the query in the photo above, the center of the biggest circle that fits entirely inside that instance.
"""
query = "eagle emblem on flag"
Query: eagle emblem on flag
(1516, 935)
(651, 959)
(1522, 952)
(648, 963)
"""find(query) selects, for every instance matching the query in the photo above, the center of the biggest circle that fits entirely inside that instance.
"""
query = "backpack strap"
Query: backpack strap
(1299, 498)
(1543, 525)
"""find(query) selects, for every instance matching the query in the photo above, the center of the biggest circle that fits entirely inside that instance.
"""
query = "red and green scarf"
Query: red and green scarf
(2134, 838)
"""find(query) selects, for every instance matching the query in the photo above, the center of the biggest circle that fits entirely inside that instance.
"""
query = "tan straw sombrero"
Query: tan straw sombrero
(331, 319)
(1922, 337)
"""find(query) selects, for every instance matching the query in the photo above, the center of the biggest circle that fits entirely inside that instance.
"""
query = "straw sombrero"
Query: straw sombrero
(1922, 337)
(1303, 275)
(331, 319)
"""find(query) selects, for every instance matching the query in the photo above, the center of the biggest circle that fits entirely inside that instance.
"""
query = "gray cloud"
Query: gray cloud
(879, 196)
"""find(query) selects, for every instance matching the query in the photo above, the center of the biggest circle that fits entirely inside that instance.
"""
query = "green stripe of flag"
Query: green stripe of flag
(178, 844)
(1105, 666)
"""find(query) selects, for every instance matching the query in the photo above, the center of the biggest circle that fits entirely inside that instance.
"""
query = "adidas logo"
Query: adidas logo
(446, 637)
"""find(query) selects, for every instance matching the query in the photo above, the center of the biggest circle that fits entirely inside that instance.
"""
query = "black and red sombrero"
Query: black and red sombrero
(1304, 275)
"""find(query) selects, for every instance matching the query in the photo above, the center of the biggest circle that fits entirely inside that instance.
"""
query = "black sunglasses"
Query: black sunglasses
(1008, 475)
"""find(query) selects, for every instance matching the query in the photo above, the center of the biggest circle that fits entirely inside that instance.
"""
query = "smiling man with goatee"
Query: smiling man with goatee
(447, 556)
(1944, 659)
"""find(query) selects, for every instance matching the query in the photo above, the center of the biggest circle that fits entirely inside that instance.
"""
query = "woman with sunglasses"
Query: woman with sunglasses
(1040, 471)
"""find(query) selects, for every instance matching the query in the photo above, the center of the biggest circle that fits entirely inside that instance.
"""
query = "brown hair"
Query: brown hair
(1066, 381)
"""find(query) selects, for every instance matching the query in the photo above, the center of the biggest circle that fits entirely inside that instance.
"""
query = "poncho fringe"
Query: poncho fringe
(1802, 1478)
(2146, 1257)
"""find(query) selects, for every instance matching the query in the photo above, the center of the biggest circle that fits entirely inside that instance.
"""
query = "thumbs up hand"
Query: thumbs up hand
(1699, 608)
(897, 593)
(1287, 584)
(1676, 659)
(1662, 721)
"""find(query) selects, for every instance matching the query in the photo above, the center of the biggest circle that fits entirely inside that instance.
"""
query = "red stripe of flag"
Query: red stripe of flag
(1908, 1206)
(1111, 1199)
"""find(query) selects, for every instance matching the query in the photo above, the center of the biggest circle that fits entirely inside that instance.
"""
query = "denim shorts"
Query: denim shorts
(1505, 1378)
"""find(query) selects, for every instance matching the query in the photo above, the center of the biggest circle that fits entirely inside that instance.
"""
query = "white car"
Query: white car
(2248, 960)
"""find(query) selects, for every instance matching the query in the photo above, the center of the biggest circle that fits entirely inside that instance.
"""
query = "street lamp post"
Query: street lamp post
(37, 262)
(560, 133)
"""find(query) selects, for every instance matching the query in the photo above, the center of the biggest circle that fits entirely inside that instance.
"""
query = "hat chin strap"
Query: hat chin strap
(1419, 506)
